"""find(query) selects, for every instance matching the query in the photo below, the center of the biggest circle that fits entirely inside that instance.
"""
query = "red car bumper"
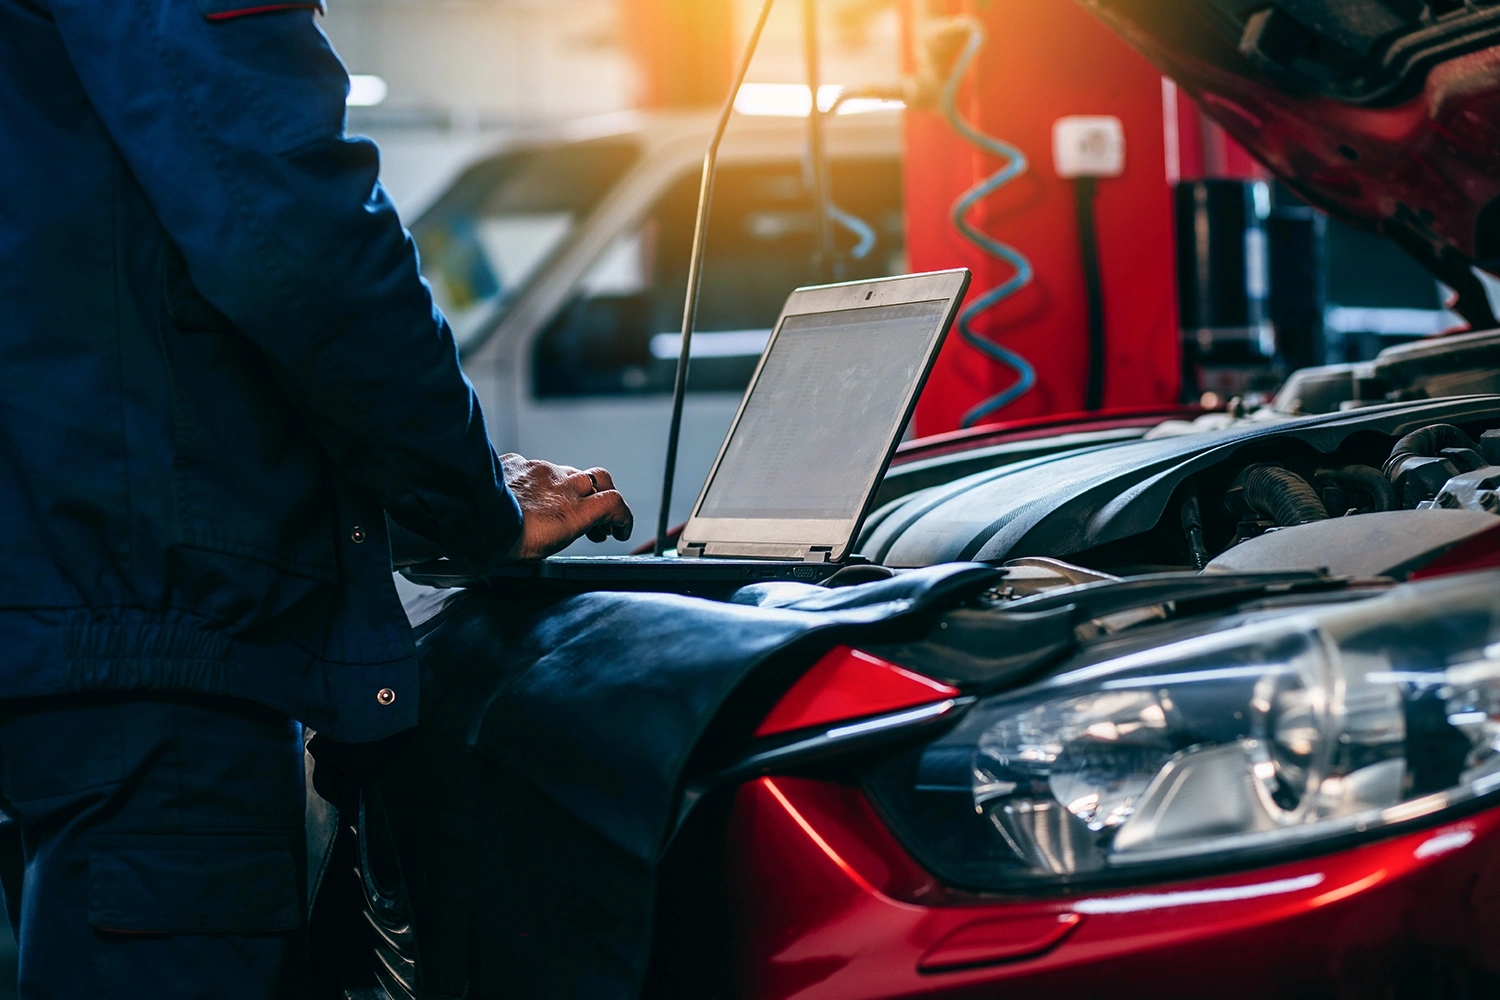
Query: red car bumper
(825, 904)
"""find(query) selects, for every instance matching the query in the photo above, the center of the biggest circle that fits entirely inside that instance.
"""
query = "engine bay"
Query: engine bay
(1363, 492)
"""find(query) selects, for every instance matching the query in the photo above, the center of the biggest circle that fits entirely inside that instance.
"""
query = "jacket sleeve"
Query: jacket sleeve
(230, 116)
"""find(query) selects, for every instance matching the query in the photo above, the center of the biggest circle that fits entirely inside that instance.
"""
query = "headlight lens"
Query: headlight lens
(1277, 735)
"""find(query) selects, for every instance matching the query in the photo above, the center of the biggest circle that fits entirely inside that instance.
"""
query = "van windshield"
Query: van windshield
(505, 219)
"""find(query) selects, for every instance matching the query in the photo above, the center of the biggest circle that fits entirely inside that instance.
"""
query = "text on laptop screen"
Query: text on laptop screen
(824, 409)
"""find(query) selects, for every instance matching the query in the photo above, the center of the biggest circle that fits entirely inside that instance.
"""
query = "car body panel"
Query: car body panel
(830, 906)
(941, 458)
(805, 884)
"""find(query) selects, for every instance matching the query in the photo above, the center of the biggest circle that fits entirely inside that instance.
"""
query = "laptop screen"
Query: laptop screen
(826, 405)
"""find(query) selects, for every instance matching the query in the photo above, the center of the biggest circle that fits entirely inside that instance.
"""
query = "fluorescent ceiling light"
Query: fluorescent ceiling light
(365, 91)
(865, 105)
(794, 100)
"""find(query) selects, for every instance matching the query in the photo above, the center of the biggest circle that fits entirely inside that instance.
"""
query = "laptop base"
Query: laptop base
(650, 573)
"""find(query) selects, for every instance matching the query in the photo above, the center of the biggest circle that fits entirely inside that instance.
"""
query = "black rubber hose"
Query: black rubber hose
(1282, 495)
(1192, 529)
(1364, 479)
(1426, 443)
(1088, 245)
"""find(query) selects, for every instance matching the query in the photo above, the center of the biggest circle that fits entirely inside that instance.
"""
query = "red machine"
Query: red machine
(1042, 62)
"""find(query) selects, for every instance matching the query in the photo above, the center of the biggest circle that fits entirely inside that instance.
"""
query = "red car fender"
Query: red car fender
(824, 903)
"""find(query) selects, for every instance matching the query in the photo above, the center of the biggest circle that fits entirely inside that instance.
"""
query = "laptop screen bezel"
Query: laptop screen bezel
(788, 538)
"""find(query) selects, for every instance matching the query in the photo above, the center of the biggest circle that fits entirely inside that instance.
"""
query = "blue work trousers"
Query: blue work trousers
(152, 846)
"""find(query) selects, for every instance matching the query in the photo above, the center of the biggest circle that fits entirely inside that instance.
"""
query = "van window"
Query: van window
(504, 219)
(619, 331)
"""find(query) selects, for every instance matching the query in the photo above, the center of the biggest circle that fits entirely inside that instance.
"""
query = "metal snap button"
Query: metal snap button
(357, 535)
(385, 696)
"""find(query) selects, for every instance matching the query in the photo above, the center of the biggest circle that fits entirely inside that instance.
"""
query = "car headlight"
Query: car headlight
(1284, 733)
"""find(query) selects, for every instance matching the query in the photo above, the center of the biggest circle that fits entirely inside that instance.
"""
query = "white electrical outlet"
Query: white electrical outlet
(1088, 146)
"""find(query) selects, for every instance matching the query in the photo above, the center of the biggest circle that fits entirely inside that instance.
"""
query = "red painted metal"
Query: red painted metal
(1030, 428)
(1202, 147)
(1477, 552)
(825, 905)
(683, 50)
(999, 939)
(848, 684)
(1044, 61)
(1433, 157)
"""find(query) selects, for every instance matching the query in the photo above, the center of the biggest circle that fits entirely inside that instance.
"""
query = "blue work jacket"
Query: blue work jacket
(219, 370)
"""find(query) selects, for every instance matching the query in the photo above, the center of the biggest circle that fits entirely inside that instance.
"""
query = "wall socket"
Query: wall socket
(1088, 146)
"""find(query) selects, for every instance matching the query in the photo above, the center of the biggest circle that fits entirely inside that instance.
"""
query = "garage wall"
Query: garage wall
(477, 61)
(461, 72)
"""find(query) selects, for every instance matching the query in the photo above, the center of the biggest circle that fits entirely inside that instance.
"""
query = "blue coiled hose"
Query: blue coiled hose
(864, 233)
(862, 230)
(1015, 167)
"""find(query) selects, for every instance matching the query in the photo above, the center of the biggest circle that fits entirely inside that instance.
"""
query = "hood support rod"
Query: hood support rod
(695, 275)
(825, 266)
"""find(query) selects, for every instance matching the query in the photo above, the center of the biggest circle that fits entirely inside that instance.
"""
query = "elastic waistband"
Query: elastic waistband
(72, 650)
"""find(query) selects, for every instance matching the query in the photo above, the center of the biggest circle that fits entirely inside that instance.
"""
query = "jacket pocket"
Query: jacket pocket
(193, 884)
(251, 480)
(186, 307)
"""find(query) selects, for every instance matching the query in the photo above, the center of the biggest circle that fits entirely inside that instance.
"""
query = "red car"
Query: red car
(1051, 840)
(1224, 721)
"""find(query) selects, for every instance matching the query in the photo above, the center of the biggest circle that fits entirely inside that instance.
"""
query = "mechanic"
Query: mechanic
(222, 372)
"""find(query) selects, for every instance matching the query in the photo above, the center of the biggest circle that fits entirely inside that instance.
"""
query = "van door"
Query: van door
(597, 377)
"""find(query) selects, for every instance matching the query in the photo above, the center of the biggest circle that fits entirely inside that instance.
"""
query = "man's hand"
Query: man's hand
(560, 504)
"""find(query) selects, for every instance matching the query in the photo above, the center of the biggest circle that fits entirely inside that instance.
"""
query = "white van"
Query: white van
(561, 260)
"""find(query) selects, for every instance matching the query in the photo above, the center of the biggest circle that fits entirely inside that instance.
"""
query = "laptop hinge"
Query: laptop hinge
(691, 552)
(817, 554)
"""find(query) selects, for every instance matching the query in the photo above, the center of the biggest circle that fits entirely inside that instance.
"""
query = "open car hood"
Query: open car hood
(1383, 112)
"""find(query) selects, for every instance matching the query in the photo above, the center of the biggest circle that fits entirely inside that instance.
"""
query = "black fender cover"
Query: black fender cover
(533, 804)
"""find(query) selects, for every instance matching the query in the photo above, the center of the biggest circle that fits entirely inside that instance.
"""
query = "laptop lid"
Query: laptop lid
(822, 416)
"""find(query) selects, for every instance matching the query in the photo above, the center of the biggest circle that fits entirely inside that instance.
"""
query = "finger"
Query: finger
(623, 528)
(604, 510)
(598, 533)
(602, 478)
(580, 483)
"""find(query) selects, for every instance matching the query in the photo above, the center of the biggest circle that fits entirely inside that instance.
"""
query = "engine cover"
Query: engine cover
(1075, 502)
(1392, 544)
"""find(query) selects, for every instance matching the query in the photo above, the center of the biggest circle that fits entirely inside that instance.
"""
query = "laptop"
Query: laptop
(796, 475)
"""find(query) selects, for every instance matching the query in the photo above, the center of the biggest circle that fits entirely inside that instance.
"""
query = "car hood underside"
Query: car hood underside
(1383, 112)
